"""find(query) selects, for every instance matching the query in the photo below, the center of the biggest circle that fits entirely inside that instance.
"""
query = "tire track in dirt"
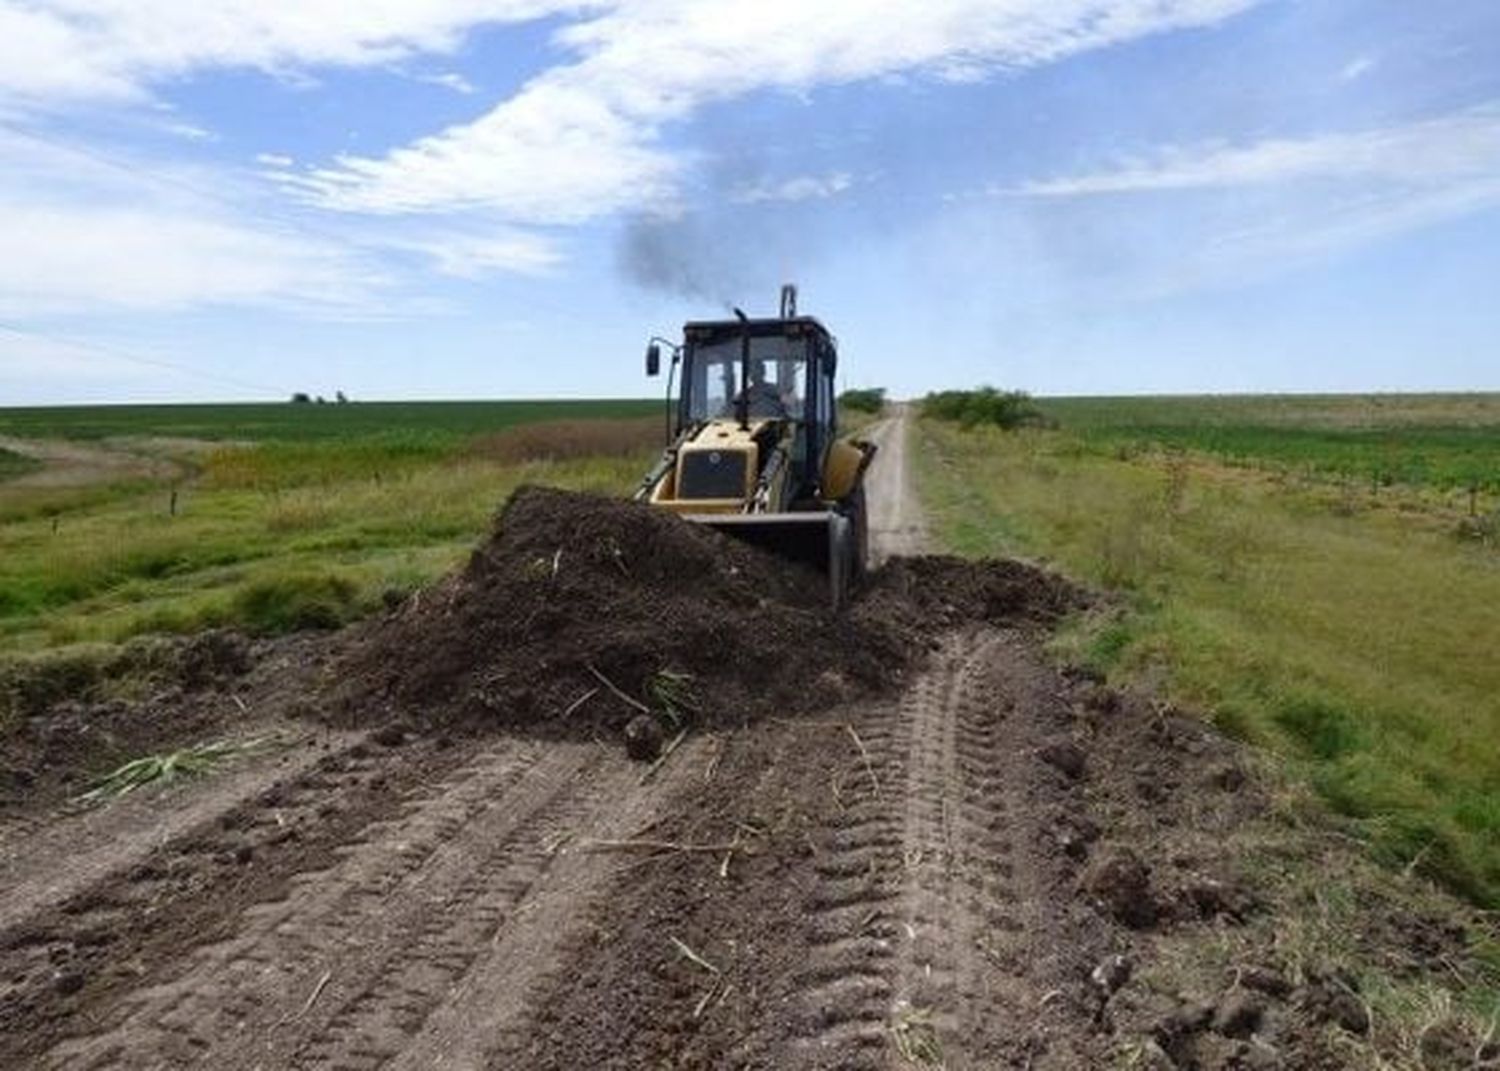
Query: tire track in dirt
(53, 856)
(280, 948)
(492, 1011)
(930, 919)
(992, 964)
(962, 885)
(140, 912)
(348, 969)
(919, 880)
(846, 987)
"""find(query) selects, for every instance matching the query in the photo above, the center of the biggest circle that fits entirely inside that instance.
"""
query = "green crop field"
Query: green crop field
(273, 517)
(1442, 441)
(284, 422)
(1262, 575)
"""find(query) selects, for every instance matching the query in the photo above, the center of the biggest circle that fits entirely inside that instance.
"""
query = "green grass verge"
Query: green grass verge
(263, 558)
(277, 517)
(1355, 641)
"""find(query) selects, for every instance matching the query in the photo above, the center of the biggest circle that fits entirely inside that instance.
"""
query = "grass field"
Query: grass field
(270, 518)
(1344, 625)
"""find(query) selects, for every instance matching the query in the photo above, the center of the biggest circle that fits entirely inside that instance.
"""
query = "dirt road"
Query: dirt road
(934, 880)
(72, 464)
(896, 525)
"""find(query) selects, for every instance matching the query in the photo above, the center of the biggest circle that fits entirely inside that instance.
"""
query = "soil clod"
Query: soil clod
(1239, 1014)
(1111, 973)
(1120, 884)
(1064, 756)
(643, 738)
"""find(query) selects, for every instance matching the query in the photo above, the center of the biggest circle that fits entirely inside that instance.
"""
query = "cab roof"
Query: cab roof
(792, 326)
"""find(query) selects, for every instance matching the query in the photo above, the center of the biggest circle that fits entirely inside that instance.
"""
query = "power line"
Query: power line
(160, 179)
(174, 181)
(135, 358)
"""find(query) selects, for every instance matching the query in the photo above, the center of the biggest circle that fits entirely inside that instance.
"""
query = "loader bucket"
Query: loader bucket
(823, 540)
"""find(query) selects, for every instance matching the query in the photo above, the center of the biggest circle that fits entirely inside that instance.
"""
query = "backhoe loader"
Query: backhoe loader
(753, 448)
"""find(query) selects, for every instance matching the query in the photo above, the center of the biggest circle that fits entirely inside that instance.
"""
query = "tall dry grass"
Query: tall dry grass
(568, 440)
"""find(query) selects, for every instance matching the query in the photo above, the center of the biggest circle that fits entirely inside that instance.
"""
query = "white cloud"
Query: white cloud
(68, 257)
(189, 131)
(85, 232)
(1357, 68)
(450, 80)
(80, 231)
(470, 255)
(1221, 215)
(1431, 151)
(582, 139)
(801, 188)
(53, 50)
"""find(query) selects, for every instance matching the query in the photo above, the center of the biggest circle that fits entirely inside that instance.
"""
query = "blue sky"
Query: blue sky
(503, 198)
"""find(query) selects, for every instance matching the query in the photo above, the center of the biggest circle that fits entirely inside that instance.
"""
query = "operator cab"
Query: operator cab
(788, 378)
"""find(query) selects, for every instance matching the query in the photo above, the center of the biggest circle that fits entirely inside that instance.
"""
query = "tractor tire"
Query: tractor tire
(841, 553)
(859, 519)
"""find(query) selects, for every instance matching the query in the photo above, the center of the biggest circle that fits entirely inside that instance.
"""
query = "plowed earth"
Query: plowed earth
(896, 838)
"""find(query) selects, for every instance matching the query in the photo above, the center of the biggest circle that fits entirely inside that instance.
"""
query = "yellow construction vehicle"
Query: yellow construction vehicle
(753, 448)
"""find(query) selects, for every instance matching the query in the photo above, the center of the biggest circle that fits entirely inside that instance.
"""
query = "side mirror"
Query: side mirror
(653, 360)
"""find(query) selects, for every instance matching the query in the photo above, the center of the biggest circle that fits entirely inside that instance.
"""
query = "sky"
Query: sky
(238, 199)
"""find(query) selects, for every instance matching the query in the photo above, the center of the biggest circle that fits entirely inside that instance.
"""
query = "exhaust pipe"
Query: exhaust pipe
(742, 407)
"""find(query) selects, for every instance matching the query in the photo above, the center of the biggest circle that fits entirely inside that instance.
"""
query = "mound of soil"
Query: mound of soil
(581, 611)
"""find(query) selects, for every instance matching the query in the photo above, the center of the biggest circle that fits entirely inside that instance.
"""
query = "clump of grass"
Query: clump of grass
(672, 694)
(168, 766)
(915, 1038)
(1482, 528)
(297, 601)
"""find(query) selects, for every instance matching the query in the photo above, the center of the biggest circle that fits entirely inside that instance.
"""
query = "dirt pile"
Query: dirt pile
(580, 612)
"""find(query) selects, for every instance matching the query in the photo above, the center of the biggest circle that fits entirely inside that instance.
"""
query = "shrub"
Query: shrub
(1003, 408)
(863, 400)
